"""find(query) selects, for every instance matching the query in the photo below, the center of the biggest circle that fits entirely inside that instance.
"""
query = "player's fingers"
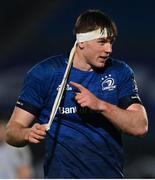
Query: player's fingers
(33, 140)
(78, 86)
(40, 127)
(80, 101)
(84, 104)
(40, 132)
(78, 95)
(36, 136)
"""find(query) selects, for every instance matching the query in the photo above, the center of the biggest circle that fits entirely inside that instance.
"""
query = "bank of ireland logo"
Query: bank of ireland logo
(108, 83)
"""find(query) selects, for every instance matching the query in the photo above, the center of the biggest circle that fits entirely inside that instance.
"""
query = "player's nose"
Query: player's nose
(108, 48)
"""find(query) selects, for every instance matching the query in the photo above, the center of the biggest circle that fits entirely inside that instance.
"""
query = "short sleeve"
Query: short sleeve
(33, 91)
(128, 89)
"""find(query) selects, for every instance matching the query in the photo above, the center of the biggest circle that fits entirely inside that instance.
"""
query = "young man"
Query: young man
(99, 103)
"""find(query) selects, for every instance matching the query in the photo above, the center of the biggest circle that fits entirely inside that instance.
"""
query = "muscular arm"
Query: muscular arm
(18, 132)
(133, 120)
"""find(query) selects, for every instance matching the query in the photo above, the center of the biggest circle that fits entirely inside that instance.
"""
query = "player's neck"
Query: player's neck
(79, 62)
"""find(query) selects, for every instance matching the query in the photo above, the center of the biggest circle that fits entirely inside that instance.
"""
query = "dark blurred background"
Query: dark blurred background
(33, 30)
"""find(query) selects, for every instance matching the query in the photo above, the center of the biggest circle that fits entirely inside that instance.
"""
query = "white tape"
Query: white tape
(99, 33)
(62, 88)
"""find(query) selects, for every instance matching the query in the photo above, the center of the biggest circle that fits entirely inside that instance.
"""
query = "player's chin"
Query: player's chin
(100, 65)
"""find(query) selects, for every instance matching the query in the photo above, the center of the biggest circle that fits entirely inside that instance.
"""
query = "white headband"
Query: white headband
(99, 33)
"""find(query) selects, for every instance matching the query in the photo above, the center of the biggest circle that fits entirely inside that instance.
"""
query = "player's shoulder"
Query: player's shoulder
(120, 65)
(50, 64)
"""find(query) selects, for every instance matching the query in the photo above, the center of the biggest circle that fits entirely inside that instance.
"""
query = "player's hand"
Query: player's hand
(36, 133)
(86, 99)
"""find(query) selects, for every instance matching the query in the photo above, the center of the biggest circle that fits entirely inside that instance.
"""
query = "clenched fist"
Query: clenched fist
(36, 133)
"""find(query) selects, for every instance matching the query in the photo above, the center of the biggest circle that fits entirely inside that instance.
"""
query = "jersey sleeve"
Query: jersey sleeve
(128, 90)
(33, 91)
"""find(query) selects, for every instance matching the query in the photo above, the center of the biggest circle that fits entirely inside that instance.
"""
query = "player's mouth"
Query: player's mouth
(104, 58)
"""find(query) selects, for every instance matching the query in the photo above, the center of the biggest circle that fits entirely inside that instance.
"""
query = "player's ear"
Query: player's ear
(81, 45)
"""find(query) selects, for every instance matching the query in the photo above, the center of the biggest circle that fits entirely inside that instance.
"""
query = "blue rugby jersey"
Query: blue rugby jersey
(80, 143)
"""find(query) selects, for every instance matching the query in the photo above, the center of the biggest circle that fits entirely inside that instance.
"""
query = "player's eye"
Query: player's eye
(102, 42)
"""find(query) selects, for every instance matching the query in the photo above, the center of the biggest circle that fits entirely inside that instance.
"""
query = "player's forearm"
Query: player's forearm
(129, 121)
(16, 134)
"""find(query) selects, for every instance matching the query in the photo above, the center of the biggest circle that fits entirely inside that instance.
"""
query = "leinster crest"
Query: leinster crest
(108, 83)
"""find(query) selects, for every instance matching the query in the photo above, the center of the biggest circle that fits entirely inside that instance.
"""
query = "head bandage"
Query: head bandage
(99, 33)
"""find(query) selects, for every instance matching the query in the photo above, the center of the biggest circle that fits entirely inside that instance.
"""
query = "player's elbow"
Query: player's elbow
(8, 137)
(11, 139)
(141, 131)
